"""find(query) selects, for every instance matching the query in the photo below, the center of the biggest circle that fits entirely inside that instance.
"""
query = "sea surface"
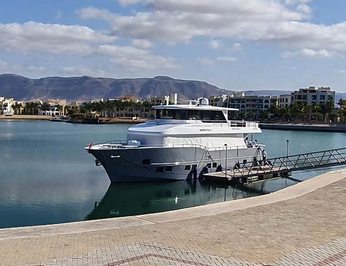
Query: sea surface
(46, 176)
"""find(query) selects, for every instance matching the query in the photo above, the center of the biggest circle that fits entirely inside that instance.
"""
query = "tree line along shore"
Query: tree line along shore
(327, 127)
(259, 108)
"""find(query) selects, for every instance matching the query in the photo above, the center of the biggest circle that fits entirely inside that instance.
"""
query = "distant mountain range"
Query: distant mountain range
(89, 88)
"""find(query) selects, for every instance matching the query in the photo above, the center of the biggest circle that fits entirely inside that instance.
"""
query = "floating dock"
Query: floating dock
(247, 175)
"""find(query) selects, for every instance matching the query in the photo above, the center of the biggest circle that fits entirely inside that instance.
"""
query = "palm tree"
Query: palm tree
(31, 108)
(316, 111)
(307, 111)
(17, 108)
(45, 107)
(342, 103)
(341, 112)
(296, 110)
(326, 109)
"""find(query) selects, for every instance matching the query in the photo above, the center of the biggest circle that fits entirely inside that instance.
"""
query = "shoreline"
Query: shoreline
(101, 121)
(25, 117)
(106, 121)
(305, 127)
(130, 120)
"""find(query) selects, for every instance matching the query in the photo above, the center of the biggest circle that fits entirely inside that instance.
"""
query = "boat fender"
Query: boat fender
(204, 171)
(218, 168)
(89, 147)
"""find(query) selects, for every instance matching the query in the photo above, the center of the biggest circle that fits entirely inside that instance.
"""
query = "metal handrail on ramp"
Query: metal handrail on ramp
(281, 165)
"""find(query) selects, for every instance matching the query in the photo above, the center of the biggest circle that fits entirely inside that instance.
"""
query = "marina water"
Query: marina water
(47, 177)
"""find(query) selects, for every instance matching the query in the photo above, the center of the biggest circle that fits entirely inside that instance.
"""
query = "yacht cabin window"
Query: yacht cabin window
(204, 115)
(233, 115)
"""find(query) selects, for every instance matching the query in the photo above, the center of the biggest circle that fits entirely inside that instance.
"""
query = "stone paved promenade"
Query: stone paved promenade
(301, 225)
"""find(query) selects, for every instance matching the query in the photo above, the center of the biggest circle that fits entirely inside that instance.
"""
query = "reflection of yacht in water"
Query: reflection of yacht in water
(183, 141)
(132, 199)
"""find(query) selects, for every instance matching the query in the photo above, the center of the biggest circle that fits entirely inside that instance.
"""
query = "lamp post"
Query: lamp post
(287, 142)
(226, 161)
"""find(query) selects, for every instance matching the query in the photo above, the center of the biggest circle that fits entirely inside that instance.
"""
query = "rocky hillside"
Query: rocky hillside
(87, 88)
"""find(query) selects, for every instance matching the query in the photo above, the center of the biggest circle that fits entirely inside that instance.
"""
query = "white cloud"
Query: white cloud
(3, 63)
(215, 44)
(33, 68)
(205, 61)
(304, 9)
(82, 70)
(209, 61)
(95, 13)
(280, 21)
(51, 38)
(288, 54)
(296, 2)
(131, 40)
(236, 46)
(78, 41)
(224, 7)
(301, 6)
(134, 58)
(226, 59)
(128, 2)
(175, 21)
(3, 66)
(316, 53)
(306, 52)
(141, 43)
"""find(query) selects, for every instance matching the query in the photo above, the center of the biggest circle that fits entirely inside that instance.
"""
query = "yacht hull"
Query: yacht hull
(138, 164)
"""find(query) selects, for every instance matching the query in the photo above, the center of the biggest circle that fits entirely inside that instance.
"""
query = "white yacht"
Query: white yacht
(184, 141)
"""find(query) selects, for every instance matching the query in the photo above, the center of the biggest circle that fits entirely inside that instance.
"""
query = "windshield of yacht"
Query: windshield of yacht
(181, 114)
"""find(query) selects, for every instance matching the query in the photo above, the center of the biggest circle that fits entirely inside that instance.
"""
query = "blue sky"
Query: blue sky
(233, 44)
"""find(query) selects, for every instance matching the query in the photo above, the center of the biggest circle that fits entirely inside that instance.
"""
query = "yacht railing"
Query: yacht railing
(125, 144)
(221, 123)
(233, 123)
(207, 159)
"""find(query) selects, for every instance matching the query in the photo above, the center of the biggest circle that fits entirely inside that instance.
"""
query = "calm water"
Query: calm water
(47, 177)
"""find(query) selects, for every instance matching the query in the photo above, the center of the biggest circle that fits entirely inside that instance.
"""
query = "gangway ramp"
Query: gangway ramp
(280, 166)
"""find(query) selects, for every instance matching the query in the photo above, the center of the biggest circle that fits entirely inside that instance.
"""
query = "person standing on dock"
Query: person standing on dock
(264, 156)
